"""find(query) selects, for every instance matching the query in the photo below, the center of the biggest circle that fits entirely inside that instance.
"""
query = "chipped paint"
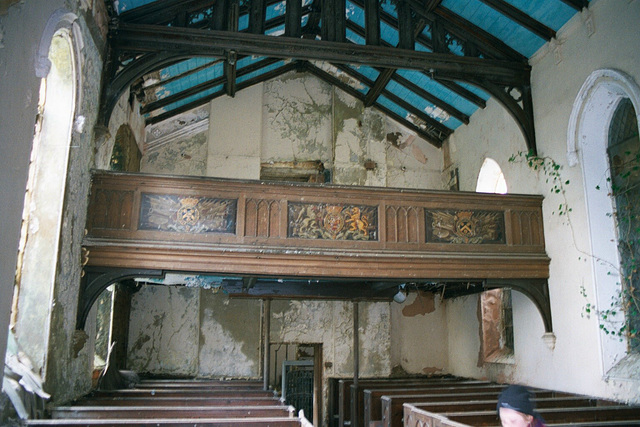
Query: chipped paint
(229, 336)
(185, 156)
(424, 303)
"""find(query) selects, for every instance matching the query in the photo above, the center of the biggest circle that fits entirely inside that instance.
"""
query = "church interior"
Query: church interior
(333, 204)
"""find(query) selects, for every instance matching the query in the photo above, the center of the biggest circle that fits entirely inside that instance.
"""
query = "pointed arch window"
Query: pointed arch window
(623, 152)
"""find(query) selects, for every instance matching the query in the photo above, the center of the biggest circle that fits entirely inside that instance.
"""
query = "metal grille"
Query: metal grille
(297, 385)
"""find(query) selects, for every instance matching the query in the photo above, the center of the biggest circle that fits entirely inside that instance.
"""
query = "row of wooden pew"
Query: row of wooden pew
(456, 402)
(178, 403)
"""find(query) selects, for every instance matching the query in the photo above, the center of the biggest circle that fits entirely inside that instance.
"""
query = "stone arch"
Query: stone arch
(587, 141)
(57, 64)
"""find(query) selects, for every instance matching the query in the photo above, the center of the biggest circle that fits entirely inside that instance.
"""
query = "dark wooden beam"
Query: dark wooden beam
(463, 92)
(490, 45)
(312, 28)
(293, 18)
(379, 85)
(406, 29)
(333, 20)
(521, 18)
(446, 107)
(194, 42)
(257, 16)
(232, 55)
(521, 109)
(310, 289)
(372, 22)
(219, 20)
(181, 75)
(577, 4)
(163, 11)
(230, 72)
(136, 69)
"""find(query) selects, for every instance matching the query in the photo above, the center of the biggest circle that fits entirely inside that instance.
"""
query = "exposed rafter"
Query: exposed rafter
(521, 18)
(164, 11)
(245, 84)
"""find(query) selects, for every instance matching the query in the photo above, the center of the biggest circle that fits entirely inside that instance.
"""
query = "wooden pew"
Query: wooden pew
(344, 393)
(349, 395)
(182, 393)
(371, 408)
(174, 422)
(199, 384)
(183, 412)
(590, 414)
(392, 404)
(177, 401)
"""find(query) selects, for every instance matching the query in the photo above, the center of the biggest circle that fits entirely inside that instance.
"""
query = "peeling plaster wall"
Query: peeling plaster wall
(229, 336)
(163, 330)
(575, 365)
(234, 135)
(296, 120)
(419, 342)
(184, 156)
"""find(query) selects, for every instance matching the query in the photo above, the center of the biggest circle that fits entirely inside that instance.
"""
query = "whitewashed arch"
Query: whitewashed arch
(587, 141)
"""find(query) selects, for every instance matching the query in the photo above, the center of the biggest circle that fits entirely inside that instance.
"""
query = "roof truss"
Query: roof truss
(164, 32)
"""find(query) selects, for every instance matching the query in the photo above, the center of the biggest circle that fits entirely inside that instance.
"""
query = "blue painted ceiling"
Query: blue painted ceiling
(410, 96)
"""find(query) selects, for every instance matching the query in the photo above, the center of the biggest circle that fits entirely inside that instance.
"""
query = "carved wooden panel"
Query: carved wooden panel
(403, 224)
(526, 228)
(169, 212)
(262, 218)
(332, 221)
(465, 226)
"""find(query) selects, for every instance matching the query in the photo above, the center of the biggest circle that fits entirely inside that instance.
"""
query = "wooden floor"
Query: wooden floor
(458, 402)
(178, 403)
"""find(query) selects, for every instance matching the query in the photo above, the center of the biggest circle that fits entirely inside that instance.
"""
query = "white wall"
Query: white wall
(575, 364)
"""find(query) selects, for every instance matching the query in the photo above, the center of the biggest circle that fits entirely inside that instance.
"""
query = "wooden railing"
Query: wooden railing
(249, 227)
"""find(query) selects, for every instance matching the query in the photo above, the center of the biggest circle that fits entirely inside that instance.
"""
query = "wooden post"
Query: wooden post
(266, 321)
(356, 362)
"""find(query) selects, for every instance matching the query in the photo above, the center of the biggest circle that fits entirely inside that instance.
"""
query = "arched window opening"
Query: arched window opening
(42, 212)
(126, 154)
(599, 119)
(491, 179)
(495, 305)
(624, 165)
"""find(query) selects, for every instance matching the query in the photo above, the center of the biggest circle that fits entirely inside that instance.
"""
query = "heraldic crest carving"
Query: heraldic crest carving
(466, 227)
(334, 222)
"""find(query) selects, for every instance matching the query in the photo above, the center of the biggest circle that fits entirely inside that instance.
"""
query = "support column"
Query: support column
(266, 321)
(356, 364)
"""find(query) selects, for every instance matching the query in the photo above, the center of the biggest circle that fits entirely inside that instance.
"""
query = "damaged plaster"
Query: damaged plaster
(163, 329)
(229, 343)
